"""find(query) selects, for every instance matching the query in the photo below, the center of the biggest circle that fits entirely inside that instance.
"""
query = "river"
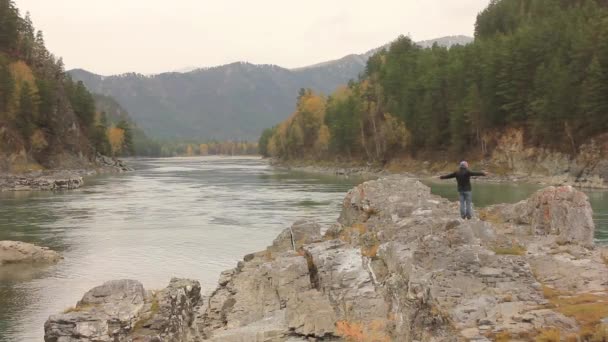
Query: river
(183, 217)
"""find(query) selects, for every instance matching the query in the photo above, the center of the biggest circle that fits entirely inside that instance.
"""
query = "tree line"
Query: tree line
(189, 148)
(538, 65)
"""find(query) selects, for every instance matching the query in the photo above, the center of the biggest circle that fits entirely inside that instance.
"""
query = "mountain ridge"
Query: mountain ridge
(232, 101)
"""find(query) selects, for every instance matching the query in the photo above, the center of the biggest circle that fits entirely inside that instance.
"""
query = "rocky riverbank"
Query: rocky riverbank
(57, 180)
(398, 266)
(511, 160)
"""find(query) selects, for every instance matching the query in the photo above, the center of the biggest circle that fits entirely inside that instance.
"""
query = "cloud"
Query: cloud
(152, 36)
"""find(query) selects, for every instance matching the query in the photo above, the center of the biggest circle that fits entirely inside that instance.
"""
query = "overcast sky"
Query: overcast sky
(153, 36)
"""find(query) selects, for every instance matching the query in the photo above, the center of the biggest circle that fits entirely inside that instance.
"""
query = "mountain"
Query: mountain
(233, 101)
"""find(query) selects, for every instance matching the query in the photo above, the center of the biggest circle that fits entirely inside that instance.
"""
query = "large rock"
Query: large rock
(121, 310)
(563, 212)
(15, 252)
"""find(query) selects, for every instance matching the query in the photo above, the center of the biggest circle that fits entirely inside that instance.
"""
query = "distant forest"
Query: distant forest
(537, 65)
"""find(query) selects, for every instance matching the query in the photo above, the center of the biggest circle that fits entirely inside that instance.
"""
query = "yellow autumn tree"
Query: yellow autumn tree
(203, 149)
(116, 136)
(323, 139)
(189, 150)
(21, 74)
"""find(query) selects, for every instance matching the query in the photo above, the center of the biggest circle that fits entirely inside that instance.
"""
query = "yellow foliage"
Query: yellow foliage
(38, 140)
(394, 132)
(342, 93)
(323, 139)
(21, 72)
(189, 151)
(203, 149)
(116, 136)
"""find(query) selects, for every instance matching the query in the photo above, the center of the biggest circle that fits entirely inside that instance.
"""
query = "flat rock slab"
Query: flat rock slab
(16, 252)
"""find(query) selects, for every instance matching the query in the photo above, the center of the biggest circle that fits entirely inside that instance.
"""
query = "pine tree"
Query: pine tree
(25, 114)
(7, 86)
(128, 147)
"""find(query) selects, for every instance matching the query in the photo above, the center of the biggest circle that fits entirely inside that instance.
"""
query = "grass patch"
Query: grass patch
(488, 216)
(154, 308)
(587, 309)
(511, 250)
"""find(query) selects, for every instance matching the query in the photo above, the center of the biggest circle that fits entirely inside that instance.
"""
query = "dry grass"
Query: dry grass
(352, 332)
(26, 167)
(488, 216)
(587, 309)
(503, 336)
(356, 229)
(359, 332)
(549, 335)
(511, 250)
(601, 334)
(370, 252)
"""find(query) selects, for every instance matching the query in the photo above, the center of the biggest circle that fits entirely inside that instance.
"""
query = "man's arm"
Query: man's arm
(451, 175)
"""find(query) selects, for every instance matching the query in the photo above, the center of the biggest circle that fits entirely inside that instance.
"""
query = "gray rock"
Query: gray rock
(121, 310)
(50, 181)
(15, 252)
(563, 212)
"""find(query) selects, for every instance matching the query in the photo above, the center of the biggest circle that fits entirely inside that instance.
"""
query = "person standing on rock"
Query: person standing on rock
(465, 194)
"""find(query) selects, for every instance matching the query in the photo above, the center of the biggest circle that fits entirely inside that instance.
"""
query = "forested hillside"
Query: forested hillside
(540, 66)
(46, 119)
(229, 102)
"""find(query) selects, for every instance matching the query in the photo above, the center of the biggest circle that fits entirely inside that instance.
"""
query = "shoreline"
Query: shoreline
(374, 172)
(60, 180)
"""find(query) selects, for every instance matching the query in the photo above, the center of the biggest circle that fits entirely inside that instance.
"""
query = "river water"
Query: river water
(183, 217)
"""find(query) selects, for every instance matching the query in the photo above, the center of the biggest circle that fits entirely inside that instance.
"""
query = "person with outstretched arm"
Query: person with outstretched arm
(463, 177)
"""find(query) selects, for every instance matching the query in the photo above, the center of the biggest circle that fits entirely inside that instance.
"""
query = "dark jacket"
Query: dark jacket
(463, 177)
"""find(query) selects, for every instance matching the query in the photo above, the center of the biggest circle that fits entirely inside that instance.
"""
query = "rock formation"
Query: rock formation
(16, 252)
(122, 310)
(400, 266)
(41, 181)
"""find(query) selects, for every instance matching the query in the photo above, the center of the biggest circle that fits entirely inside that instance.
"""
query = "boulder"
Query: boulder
(121, 310)
(563, 212)
(15, 252)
